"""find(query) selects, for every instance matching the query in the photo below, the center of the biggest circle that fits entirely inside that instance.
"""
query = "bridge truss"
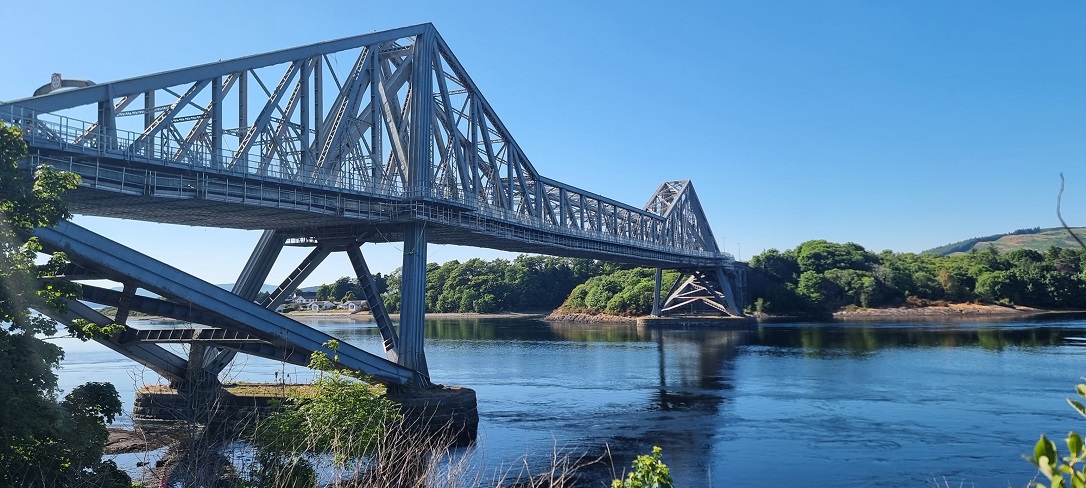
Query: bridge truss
(369, 138)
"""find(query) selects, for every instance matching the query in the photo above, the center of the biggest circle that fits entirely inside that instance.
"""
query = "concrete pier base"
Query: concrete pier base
(437, 412)
(159, 407)
(441, 411)
(696, 321)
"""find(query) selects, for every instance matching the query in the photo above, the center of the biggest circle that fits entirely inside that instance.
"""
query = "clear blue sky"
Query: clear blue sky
(896, 125)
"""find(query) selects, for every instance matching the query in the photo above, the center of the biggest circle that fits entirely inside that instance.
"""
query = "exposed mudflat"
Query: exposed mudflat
(123, 441)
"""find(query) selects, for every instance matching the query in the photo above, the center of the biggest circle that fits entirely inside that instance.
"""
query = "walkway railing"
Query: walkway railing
(348, 197)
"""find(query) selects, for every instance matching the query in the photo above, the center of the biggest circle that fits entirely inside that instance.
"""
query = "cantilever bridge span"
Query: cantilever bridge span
(374, 138)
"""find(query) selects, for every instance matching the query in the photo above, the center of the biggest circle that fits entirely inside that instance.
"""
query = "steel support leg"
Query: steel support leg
(413, 305)
(729, 293)
(300, 273)
(259, 266)
(656, 293)
(248, 286)
(373, 298)
(121, 317)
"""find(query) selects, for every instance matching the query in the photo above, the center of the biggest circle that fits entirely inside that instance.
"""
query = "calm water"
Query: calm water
(786, 404)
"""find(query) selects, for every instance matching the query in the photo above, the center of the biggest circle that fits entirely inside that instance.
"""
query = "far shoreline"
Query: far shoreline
(365, 316)
(949, 310)
(945, 311)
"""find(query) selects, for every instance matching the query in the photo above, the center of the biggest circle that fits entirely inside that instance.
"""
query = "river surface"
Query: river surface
(778, 404)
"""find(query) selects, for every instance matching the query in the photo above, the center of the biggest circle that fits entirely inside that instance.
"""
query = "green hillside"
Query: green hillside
(1036, 239)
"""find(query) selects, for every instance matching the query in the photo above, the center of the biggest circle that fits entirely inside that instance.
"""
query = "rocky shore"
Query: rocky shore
(583, 318)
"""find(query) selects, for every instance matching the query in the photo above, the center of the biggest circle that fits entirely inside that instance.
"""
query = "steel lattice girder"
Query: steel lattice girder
(392, 116)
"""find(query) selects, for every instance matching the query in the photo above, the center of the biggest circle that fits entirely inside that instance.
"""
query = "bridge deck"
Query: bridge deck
(163, 193)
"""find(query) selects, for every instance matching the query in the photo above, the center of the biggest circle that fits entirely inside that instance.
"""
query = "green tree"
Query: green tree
(380, 281)
(340, 288)
(43, 441)
(820, 256)
(993, 285)
(855, 287)
(392, 296)
(622, 292)
(820, 295)
(781, 267)
(529, 283)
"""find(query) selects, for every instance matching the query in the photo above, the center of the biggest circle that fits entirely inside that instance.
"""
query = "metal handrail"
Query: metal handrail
(76, 135)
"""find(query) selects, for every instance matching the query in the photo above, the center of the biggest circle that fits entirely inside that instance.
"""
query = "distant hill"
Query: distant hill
(1037, 239)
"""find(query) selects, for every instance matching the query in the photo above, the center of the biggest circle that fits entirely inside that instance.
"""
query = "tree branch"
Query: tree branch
(1059, 201)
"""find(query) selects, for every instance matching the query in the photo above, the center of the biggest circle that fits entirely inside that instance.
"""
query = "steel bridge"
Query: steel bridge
(373, 138)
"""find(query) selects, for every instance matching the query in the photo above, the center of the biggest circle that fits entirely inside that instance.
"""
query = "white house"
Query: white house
(354, 305)
(319, 305)
(304, 297)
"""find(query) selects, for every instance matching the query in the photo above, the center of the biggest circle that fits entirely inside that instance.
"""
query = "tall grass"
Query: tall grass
(402, 454)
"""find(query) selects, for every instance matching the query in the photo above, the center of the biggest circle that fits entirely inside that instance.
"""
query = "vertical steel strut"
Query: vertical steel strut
(413, 305)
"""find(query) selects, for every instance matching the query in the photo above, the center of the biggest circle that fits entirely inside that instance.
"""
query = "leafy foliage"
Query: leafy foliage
(1071, 468)
(819, 277)
(528, 283)
(648, 472)
(43, 442)
(349, 288)
(622, 292)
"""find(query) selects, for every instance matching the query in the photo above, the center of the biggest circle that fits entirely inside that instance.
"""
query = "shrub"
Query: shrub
(649, 472)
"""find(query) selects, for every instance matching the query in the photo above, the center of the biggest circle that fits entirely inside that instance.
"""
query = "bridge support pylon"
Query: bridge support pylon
(656, 292)
(413, 296)
(706, 290)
